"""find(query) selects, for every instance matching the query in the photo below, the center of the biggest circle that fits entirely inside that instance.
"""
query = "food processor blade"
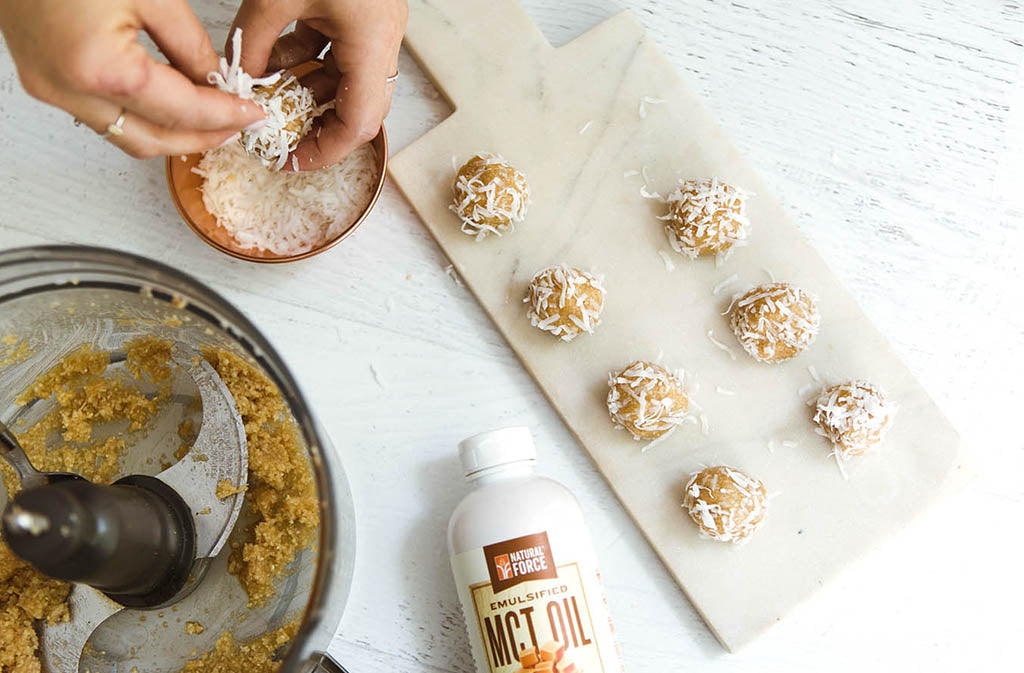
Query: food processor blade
(218, 456)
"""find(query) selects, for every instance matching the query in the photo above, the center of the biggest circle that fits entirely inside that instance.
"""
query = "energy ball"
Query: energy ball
(647, 400)
(726, 504)
(565, 301)
(775, 322)
(706, 217)
(288, 105)
(490, 196)
(290, 109)
(854, 416)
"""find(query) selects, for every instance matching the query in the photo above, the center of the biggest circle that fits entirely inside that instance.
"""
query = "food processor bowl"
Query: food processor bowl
(53, 299)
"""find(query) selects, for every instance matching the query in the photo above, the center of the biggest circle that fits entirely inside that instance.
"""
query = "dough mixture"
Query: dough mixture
(254, 656)
(282, 503)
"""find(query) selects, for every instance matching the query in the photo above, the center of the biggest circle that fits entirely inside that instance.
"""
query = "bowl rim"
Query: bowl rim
(381, 137)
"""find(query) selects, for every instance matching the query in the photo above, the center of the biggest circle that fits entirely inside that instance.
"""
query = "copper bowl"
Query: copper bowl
(188, 199)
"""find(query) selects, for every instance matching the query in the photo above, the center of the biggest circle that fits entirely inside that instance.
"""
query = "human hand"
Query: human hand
(85, 57)
(365, 36)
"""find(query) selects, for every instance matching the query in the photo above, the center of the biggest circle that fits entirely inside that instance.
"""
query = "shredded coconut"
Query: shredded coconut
(718, 344)
(650, 195)
(453, 274)
(644, 102)
(670, 265)
(585, 127)
(723, 284)
(285, 213)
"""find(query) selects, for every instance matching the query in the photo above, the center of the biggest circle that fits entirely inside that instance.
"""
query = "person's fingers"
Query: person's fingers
(170, 100)
(140, 138)
(323, 83)
(360, 104)
(356, 119)
(176, 30)
(167, 98)
(294, 48)
(261, 25)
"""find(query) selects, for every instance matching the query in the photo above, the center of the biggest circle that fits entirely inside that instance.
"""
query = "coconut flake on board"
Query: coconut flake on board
(453, 274)
(644, 102)
(723, 284)
(718, 344)
(670, 264)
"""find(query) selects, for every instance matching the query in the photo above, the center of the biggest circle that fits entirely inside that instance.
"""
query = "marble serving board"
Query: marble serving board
(581, 121)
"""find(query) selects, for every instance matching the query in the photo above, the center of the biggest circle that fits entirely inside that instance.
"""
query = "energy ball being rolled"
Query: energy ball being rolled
(706, 217)
(647, 400)
(565, 301)
(490, 196)
(775, 322)
(854, 416)
(289, 107)
(290, 110)
(726, 504)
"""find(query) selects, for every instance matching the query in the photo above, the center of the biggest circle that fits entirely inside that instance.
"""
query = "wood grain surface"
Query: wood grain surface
(891, 132)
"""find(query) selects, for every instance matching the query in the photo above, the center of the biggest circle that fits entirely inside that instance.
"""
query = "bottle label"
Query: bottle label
(525, 611)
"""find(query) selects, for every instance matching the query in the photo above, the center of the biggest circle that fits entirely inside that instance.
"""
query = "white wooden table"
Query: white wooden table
(892, 131)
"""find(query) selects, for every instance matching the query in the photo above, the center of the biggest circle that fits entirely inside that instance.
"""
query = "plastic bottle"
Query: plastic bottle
(525, 567)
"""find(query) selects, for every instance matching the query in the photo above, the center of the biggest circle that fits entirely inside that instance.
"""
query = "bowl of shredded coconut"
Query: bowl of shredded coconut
(237, 199)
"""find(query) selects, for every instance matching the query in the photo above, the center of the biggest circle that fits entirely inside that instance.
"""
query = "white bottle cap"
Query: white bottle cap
(497, 447)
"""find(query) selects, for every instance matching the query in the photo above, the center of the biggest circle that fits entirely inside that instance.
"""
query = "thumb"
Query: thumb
(261, 26)
(294, 48)
(179, 35)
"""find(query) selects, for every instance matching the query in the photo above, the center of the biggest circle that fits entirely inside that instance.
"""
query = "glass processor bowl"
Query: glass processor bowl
(53, 300)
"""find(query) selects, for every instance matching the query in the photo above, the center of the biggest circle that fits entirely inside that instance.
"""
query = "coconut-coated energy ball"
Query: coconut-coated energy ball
(290, 109)
(854, 416)
(490, 196)
(726, 504)
(774, 322)
(565, 301)
(706, 217)
(647, 400)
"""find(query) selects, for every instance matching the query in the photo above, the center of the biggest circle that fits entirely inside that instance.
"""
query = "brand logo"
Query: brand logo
(519, 560)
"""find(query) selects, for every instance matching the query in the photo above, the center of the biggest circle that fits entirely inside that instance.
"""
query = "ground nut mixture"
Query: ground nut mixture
(281, 494)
